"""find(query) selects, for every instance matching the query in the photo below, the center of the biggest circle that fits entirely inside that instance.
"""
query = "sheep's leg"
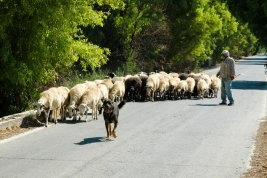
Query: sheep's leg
(182, 95)
(55, 116)
(93, 114)
(96, 114)
(78, 115)
(152, 97)
(65, 113)
(63, 116)
(62, 113)
(46, 121)
(74, 115)
(86, 113)
(50, 113)
(46, 117)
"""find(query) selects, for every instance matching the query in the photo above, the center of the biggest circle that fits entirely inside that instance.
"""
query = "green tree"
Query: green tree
(39, 39)
(252, 12)
(131, 24)
(196, 30)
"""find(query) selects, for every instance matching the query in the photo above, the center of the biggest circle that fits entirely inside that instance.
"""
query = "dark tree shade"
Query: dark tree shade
(251, 11)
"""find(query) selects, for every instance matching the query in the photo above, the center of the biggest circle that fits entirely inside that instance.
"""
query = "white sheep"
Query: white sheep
(142, 74)
(162, 72)
(202, 87)
(152, 86)
(206, 78)
(181, 89)
(215, 86)
(91, 98)
(173, 84)
(117, 91)
(213, 76)
(103, 90)
(127, 76)
(168, 76)
(174, 74)
(98, 81)
(104, 94)
(108, 83)
(114, 79)
(50, 100)
(191, 84)
(76, 93)
(160, 75)
(163, 87)
(64, 94)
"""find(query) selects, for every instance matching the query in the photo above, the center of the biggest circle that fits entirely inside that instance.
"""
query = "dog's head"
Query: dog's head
(108, 106)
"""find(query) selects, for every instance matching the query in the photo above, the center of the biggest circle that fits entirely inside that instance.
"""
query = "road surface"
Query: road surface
(183, 138)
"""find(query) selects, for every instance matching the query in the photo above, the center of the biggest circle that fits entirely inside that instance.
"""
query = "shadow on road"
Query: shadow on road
(205, 105)
(73, 122)
(92, 140)
(249, 85)
(254, 60)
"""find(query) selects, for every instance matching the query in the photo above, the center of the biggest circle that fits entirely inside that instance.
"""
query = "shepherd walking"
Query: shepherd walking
(227, 74)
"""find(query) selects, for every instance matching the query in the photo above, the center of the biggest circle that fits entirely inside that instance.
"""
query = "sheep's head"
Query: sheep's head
(82, 108)
(149, 89)
(71, 109)
(39, 107)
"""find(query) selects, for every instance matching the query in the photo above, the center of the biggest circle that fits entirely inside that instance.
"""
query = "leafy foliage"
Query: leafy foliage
(252, 12)
(39, 39)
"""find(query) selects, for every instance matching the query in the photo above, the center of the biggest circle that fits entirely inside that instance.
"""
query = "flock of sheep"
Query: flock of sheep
(153, 86)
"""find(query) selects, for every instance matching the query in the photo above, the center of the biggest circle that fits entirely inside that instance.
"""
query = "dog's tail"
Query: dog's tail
(122, 103)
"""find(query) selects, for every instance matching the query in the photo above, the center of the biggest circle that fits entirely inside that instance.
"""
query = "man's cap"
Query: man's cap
(225, 52)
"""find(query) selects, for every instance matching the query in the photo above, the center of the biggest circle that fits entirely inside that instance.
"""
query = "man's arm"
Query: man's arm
(218, 73)
(232, 69)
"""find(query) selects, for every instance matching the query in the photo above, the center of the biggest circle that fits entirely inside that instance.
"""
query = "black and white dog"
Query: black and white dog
(111, 115)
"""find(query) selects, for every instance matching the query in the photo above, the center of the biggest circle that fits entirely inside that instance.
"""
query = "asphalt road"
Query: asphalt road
(183, 138)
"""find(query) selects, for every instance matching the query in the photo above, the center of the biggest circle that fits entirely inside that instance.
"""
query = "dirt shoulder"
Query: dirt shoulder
(30, 124)
(258, 161)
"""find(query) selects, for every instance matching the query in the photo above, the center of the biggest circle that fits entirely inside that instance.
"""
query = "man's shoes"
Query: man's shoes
(231, 104)
(222, 103)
